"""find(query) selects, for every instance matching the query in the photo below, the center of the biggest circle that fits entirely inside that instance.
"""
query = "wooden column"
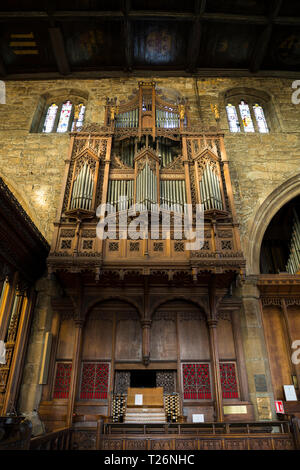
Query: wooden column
(212, 322)
(22, 326)
(105, 180)
(75, 369)
(7, 304)
(186, 171)
(241, 364)
(215, 365)
(146, 325)
(112, 364)
(294, 368)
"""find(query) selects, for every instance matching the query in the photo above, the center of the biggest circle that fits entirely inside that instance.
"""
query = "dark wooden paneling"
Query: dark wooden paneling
(128, 339)
(66, 339)
(97, 336)
(163, 337)
(278, 354)
(193, 337)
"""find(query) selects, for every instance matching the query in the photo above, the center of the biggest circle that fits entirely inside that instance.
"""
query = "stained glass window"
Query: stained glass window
(50, 118)
(260, 118)
(64, 117)
(78, 117)
(246, 117)
(233, 119)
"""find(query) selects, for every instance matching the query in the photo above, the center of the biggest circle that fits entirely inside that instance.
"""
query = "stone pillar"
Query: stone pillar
(256, 355)
(31, 389)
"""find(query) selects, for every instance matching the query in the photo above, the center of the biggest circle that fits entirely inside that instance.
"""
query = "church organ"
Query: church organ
(146, 304)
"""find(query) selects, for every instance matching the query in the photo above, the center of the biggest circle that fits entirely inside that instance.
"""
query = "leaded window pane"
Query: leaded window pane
(246, 117)
(78, 117)
(260, 118)
(64, 117)
(233, 119)
(50, 118)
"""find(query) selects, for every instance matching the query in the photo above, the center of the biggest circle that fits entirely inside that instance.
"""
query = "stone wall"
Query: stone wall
(32, 164)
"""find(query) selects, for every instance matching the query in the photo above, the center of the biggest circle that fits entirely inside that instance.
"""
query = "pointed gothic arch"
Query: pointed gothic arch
(278, 198)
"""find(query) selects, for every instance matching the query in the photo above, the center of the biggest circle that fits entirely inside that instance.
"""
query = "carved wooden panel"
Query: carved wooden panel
(97, 336)
(260, 444)
(136, 444)
(128, 338)
(210, 444)
(167, 380)
(112, 444)
(236, 444)
(186, 444)
(66, 339)
(276, 344)
(193, 337)
(84, 440)
(122, 381)
(162, 444)
(283, 444)
(163, 341)
(294, 320)
(225, 339)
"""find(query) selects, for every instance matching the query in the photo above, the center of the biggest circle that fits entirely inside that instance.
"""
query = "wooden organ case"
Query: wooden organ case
(146, 304)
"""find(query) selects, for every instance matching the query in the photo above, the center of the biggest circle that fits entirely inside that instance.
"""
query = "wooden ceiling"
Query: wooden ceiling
(95, 38)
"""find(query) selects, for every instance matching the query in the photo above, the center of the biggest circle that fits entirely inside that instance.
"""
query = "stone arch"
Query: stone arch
(278, 198)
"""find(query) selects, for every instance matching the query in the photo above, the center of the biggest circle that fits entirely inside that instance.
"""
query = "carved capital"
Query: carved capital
(212, 322)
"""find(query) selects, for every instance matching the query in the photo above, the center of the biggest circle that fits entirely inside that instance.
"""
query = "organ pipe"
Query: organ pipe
(210, 192)
(293, 264)
(172, 193)
(83, 186)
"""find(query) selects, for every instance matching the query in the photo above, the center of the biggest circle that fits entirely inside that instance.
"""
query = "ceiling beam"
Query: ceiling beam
(195, 36)
(2, 68)
(147, 15)
(105, 72)
(59, 51)
(128, 39)
(263, 39)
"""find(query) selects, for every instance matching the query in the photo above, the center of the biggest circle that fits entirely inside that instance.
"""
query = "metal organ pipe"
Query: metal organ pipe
(293, 264)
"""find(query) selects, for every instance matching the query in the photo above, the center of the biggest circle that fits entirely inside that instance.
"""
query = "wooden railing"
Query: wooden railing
(273, 435)
(55, 440)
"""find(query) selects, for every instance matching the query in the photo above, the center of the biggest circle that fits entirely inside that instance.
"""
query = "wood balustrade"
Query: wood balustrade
(55, 440)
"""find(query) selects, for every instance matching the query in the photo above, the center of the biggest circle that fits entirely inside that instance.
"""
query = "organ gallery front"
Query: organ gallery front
(151, 313)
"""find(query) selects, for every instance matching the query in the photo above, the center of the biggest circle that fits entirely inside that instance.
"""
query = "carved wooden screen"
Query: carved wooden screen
(167, 380)
(94, 381)
(122, 381)
(196, 381)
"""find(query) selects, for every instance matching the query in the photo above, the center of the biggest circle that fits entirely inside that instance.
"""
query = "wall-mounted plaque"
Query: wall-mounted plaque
(198, 418)
(260, 383)
(235, 410)
(264, 407)
(289, 392)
